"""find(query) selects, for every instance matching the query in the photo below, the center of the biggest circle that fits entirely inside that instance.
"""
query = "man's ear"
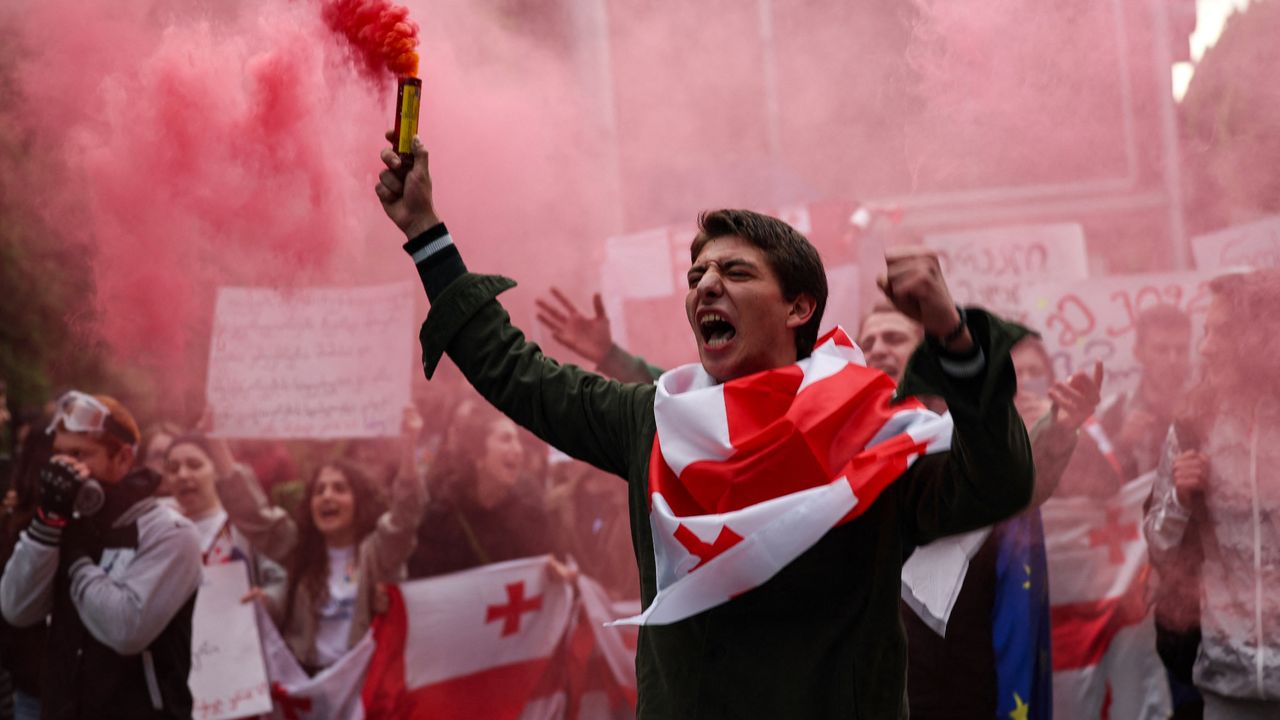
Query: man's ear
(801, 310)
(122, 461)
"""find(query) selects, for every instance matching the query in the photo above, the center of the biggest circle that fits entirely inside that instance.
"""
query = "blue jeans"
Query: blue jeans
(25, 707)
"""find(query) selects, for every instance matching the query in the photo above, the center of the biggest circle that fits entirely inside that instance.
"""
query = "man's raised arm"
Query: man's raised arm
(580, 413)
(988, 474)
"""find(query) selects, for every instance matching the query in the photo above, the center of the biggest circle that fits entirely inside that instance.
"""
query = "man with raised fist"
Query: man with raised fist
(777, 485)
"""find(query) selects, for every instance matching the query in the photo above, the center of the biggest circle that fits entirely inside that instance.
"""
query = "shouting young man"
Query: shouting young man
(775, 487)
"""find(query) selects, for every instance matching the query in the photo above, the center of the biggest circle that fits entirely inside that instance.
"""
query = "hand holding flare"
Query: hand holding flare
(406, 194)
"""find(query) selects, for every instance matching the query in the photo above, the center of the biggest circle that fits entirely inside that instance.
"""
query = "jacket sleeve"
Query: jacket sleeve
(128, 612)
(26, 589)
(396, 534)
(988, 474)
(625, 367)
(269, 529)
(578, 412)
(1165, 521)
(1052, 445)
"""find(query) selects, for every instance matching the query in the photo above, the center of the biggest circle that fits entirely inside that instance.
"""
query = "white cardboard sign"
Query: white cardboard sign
(228, 677)
(1254, 245)
(1094, 320)
(992, 267)
(310, 363)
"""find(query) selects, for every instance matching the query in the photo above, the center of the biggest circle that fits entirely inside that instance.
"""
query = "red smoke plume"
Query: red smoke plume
(380, 32)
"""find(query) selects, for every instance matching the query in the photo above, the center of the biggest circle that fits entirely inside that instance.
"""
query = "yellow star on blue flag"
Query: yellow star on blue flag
(1019, 708)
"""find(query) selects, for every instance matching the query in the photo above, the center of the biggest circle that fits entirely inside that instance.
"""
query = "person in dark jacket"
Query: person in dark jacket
(821, 638)
(482, 509)
(22, 649)
(117, 577)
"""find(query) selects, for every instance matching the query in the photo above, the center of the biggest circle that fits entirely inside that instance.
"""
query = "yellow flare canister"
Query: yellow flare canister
(408, 101)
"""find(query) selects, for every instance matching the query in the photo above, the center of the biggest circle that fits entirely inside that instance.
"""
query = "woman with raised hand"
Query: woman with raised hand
(191, 475)
(343, 543)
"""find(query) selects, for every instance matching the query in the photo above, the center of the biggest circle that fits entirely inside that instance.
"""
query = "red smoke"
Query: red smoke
(380, 32)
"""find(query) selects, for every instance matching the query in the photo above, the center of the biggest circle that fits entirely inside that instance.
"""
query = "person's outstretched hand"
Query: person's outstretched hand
(219, 451)
(1075, 398)
(590, 337)
(406, 197)
(913, 282)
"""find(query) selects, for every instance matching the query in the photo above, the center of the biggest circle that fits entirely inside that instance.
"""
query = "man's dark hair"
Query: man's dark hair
(1160, 317)
(791, 257)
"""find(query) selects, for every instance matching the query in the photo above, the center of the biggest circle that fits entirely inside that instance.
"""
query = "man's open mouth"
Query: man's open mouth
(716, 330)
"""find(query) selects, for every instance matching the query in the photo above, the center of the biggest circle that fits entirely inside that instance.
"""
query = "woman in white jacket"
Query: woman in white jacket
(1218, 487)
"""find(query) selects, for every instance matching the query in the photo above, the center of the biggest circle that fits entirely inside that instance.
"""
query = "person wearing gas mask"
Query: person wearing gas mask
(115, 572)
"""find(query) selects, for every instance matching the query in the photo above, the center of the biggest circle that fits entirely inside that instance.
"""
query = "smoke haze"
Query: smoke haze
(190, 144)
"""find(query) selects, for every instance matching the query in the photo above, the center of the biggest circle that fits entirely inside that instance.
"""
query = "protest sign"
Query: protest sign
(228, 676)
(310, 363)
(991, 267)
(1094, 320)
(1255, 245)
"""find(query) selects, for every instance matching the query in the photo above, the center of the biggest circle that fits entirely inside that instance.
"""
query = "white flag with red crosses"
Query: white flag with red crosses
(747, 475)
(479, 643)
(1104, 653)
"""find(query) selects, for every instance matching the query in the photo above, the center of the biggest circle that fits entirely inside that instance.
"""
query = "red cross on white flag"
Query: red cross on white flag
(477, 644)
(1103, 642)
(516, 606)
(1114, 533)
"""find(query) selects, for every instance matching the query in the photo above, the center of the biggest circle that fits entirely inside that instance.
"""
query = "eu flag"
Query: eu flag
(1020, 621)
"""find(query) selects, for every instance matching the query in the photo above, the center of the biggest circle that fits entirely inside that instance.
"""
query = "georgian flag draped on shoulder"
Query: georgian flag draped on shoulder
(747, 475)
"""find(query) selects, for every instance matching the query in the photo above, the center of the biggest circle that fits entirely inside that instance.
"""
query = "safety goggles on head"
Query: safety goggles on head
(78, 412)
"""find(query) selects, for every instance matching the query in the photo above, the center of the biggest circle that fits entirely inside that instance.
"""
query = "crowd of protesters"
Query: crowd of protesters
(116, 586)
(115, 589)
(113, 586)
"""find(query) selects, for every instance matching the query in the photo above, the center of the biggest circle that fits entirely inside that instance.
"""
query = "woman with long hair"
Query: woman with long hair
(341, 544)
(1212, 517)
(483, 510)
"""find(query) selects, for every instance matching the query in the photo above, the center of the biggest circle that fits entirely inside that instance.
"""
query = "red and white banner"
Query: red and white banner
(333, 693)
(1104, 657)
(508, 640)
(601, 659)
(471, 644)
(747, 475)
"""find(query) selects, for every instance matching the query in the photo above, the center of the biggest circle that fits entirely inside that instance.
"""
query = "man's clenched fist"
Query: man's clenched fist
(913, 282)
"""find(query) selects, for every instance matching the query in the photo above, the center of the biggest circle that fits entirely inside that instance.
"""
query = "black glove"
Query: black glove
(59, 485)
